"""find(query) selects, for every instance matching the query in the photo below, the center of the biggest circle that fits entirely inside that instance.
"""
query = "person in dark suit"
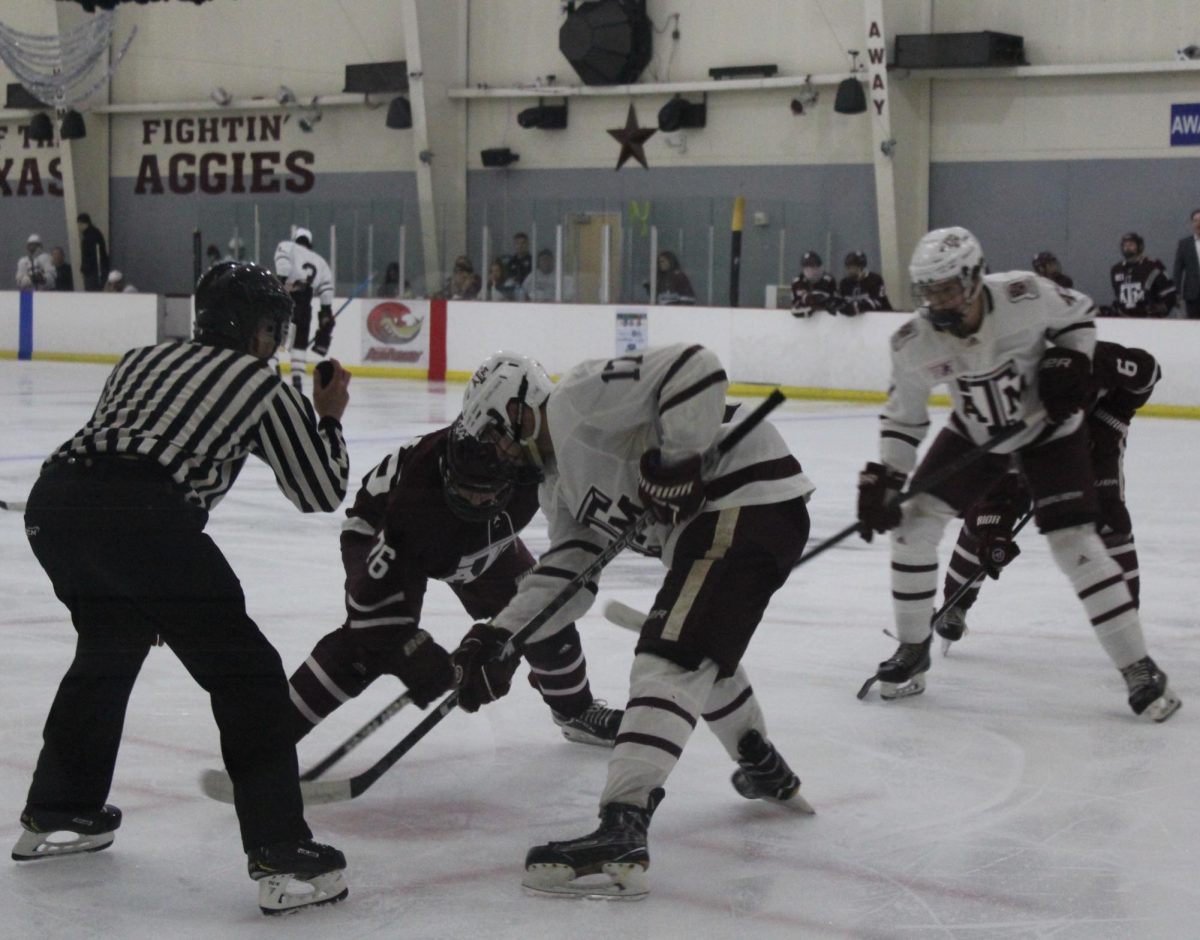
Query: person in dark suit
(1187, 269)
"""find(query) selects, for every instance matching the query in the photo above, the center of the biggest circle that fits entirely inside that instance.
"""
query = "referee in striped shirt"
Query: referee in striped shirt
(117, 520)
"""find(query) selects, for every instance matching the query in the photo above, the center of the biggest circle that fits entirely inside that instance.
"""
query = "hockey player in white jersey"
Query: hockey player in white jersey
(614, 438)
(1007, 345)
(306, 275)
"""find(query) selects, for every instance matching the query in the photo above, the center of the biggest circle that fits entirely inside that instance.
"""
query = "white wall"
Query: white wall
(768, 347)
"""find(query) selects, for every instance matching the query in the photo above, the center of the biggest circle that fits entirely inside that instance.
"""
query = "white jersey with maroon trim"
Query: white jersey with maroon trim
(603, 416)
(294, 262)
(991, 374)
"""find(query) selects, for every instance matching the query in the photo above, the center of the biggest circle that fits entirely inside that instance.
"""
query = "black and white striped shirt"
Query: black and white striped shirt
(200, 410)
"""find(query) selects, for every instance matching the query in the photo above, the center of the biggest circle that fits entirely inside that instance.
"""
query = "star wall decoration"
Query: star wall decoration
(631, 137)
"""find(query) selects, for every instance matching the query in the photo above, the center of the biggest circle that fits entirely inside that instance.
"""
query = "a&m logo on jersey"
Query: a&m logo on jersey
(994, 399)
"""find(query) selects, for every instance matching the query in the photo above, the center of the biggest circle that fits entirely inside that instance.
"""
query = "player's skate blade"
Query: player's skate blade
(616, 881)
(285, 894)
(951, 627)
(903, 674)
(1149, 694)
(598, 725)
(51, 834)
(763, 774)
(295, 875)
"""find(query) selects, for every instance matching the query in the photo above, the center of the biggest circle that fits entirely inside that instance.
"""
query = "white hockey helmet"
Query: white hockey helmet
(502, 378)
(941, 256)
(303, 236)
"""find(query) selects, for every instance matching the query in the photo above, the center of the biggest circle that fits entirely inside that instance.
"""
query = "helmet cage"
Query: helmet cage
(471, 467)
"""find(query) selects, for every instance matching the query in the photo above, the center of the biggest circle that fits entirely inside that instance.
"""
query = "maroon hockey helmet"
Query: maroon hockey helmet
(1136, 239)
(811, 259)
(1042, 261)
(475, 481)
(856, 259)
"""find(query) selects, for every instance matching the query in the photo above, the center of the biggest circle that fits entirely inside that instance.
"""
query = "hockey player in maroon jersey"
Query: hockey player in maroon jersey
(861, 290)
(1141, 286)
(1123, 380)
(437, 508)
(1007, 345)
(815, 289)
(1046, 264)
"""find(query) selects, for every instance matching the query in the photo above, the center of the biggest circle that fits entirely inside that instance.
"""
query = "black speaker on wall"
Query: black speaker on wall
(607, 42)
(958, 50)
(369, 77)
(498, 157)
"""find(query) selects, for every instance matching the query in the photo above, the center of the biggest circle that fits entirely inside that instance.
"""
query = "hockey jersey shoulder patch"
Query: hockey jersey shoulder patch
(1022, 288)
(903, 335)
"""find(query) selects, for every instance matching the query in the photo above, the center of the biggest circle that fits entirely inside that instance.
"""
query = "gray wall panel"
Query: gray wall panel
(152, 234)
(1076, 208)
(829, 208)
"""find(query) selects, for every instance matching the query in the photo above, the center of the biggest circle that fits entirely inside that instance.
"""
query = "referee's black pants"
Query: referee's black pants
(129, 558)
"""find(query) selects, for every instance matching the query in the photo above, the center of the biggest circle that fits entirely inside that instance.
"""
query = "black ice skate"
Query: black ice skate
(902, 675)
(292, 875)
(609, 863)
(597, 725)
(91, 832)
(763, 774)
(1148, 691)
(951, 626)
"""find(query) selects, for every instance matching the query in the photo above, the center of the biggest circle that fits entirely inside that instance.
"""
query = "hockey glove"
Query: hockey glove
(672, 493)
(424, 668)
(991, 520)
(878, 488)
(1064, 382)
(480, 674)
(324, 334)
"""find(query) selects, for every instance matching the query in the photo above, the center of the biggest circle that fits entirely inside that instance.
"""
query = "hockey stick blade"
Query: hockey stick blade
(13, 505)
(622, 615)
(216, 785)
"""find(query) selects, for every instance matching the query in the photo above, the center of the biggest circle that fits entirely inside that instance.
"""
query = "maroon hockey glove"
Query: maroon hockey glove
(991, 521)
(423, 666)
(878, 488)
(324, 334)
(1064, 382)
(672, 493)
(480, 674)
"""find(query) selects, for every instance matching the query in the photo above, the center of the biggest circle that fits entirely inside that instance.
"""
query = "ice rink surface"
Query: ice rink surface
(1018, 797)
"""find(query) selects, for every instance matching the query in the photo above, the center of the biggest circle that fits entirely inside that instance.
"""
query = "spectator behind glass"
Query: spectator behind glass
(1141, 287)
(463, 283)
(116, 284)
(391, 281)
(1045, 263)
(501, 284)
(1186, 271)
(520, 263)
(815, 289)
(212, 255)
(539, 286)
(861, 289)
(64, 279)
(35, 270)
(674, 288)
(93, 261)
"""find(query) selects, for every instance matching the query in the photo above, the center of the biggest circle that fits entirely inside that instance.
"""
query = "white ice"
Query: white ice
(1018, 797)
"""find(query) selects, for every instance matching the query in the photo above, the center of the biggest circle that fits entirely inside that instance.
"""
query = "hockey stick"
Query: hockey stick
(624, 616)
(13, 505)
(963, 589)
(354, 296)
(334, 791)
(217, 785)
(941, 476)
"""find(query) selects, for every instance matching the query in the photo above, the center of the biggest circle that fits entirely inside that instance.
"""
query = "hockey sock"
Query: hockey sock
(558, 670)
(1123, 551)
(329, 676)
(665, 701)
(964, 565)
(915, 565)
(732, 709)
(1100, 584)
